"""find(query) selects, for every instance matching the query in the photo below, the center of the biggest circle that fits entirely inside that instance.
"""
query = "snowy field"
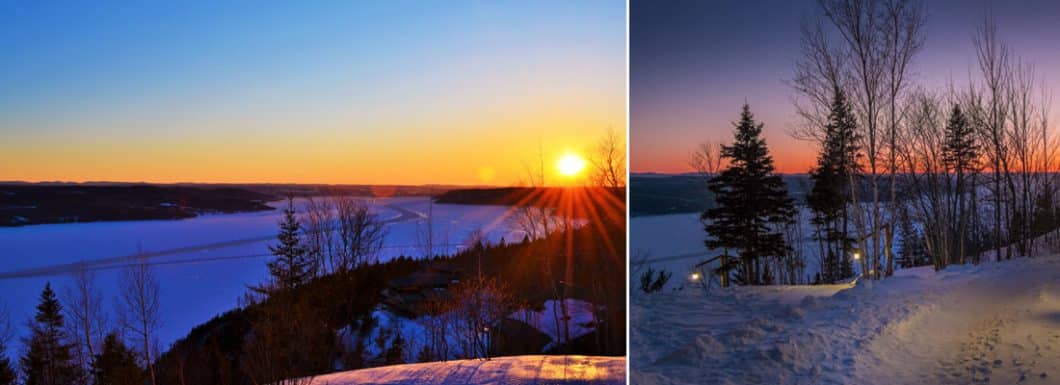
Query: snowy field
(992, 323)
(205, 263)
(557, 370)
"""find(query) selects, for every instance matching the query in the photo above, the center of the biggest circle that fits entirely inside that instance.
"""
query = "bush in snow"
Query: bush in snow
(649, 284)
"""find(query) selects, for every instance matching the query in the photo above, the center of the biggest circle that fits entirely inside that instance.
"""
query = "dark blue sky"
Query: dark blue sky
(693, 63)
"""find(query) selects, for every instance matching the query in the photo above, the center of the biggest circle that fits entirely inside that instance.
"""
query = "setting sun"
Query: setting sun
(570, 164)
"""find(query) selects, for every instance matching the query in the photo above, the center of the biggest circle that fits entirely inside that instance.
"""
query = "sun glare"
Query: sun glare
(570, 164)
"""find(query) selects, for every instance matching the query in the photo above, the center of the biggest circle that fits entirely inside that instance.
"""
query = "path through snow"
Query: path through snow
(993, 323)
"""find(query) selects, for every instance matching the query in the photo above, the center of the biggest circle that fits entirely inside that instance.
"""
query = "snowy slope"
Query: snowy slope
(993, 323)
(587, 370)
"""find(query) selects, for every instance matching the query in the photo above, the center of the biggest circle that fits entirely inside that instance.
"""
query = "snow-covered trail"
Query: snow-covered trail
(537, 369)
(998, 328)
(993, 323)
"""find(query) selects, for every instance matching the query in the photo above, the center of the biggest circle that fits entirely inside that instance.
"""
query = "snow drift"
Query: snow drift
(996, 322)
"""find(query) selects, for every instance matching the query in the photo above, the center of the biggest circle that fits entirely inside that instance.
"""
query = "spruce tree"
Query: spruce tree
(830, 195)
(48, 359)
(116, 364)
(751, 204)
(7, 372)
(960, 150)
(911, 251)
(959, 153)
(292, 266)
(395, 354)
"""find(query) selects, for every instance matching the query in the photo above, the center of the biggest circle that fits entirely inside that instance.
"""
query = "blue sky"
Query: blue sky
(80, 75)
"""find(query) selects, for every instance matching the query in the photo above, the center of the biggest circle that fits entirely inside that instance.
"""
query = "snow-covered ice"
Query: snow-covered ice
(674, 243)
(992, 323)
(535, 369)
(201, 282)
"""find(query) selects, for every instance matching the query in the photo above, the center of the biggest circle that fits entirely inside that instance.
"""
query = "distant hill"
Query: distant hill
(29, 204)
(24, 203)
(283, 189)
(509, 196)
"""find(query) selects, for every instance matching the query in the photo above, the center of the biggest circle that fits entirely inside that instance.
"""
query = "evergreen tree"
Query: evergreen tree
(960, 150)
(7, 373)
(48, 359)
(830, 195)
(751, 204)
(1045, 213)
(116, 364)
(292, 266)
(912, 252)
(396, 353)
(959, 153)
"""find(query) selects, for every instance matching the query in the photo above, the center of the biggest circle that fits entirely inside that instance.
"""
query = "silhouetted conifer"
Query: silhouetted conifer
(751, 204)
(116, 364)
(7, 372)
(830, 196)
(292, 266)
(48, 359)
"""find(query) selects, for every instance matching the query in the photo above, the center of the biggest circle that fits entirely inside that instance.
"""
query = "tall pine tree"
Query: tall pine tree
(830, 196)
(751, 205)
(959, 153)
(48, 359)
(292, 265)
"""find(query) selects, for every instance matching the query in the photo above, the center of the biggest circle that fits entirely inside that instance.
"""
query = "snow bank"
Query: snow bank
(582, 370)
(996, 321)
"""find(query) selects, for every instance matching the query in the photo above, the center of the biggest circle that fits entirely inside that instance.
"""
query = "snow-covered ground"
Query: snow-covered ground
(197, 281)
(581, 370)
(548, 321)
(992, 323)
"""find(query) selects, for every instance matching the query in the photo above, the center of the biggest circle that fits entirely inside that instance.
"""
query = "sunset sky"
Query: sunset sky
(694, 63)
(384, 92)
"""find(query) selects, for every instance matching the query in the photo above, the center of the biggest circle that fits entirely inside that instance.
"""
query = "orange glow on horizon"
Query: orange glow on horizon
(461, 156)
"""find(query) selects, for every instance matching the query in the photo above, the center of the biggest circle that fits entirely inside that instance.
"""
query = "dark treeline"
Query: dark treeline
(29, 204)
(512, 196)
